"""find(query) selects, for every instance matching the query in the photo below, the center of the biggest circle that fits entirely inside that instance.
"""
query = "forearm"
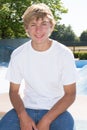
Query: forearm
(16, 99)
(63, 103)
(59, 107)
(26, 122)
(17, 102)
(56, 110)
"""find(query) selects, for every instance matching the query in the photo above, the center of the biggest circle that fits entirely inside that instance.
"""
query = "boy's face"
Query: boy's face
(39, 30)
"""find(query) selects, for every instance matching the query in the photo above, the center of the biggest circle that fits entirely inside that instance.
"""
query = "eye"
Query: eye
(44, 23)
(32, 25)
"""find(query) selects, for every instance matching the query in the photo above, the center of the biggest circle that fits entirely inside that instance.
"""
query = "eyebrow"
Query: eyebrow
(44, 21)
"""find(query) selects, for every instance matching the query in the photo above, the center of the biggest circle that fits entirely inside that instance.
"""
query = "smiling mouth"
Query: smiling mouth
(38, 36)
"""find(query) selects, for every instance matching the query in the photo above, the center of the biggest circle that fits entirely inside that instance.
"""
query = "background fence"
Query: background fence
(8, 45)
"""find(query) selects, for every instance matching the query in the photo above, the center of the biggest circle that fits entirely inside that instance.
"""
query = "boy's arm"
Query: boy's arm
(59, 107)
(26, 123)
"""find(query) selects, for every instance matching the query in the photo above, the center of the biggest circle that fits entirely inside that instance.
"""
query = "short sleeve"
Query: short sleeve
(13, 72)
(69, 69)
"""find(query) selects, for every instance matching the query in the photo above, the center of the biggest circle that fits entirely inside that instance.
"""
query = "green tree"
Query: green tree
(63, 34)
(83, 36)
(11, 25)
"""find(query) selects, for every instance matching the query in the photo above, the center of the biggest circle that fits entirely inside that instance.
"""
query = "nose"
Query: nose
(38, 28)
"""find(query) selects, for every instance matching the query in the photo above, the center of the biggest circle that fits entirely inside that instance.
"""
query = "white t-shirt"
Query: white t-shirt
(45, 73)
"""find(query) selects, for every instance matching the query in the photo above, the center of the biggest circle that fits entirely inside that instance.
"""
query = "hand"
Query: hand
(43, 124)
(26, 123)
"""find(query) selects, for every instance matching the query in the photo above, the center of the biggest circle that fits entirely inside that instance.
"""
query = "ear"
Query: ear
(51, 27)
(27, 30)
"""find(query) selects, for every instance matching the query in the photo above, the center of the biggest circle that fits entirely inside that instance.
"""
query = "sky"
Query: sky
(76, 16)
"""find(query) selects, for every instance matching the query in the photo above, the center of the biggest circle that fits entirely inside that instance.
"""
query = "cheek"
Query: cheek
(49, 31)
(29, 31)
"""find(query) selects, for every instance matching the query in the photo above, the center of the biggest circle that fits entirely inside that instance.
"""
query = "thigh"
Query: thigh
(63, 122)
(10, 121)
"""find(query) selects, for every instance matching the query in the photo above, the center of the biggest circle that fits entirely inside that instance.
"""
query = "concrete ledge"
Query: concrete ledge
(5, 104)
(78, 109)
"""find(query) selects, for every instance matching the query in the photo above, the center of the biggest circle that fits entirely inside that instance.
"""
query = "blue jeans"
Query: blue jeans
(11, 122)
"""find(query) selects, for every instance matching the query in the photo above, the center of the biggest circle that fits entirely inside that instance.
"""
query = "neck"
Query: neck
(42, 46)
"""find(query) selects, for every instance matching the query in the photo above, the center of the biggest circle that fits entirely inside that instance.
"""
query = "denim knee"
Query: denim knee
(63, 122)
(10, 121)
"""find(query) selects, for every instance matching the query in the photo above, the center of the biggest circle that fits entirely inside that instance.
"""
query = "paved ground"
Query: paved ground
(78, 108)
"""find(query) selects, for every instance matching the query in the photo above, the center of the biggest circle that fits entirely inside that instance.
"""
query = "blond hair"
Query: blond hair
(37, 11)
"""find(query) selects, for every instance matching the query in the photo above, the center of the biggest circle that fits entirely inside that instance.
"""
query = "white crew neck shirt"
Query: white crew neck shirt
(45, 73)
